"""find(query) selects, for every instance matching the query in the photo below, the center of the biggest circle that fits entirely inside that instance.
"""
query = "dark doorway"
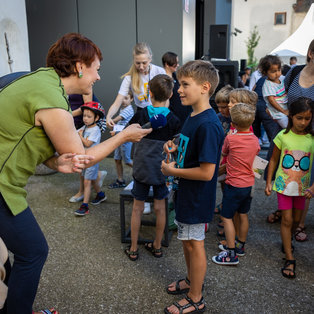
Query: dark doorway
(199, 29)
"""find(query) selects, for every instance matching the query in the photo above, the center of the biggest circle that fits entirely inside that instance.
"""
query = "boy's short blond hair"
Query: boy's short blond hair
(200, 71)
(244, 95)
(222, 95)
(242, 115)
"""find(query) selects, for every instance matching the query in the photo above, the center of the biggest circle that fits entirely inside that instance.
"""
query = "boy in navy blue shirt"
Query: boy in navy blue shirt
(197, 163)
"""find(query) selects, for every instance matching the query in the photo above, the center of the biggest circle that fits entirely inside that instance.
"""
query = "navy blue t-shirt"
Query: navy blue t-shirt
(201, 140)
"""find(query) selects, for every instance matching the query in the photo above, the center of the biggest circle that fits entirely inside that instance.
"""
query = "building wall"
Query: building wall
(13, 23)
(115, 26)
(247, 14)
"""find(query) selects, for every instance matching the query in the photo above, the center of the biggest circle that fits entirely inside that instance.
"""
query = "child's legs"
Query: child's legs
(118, 162)
(160, 212)
(285, 231)
(90, 174)
(119, 168)
(230, 232)
(137, 211)
(236, 222)
(87, 190)
(234, 200)
(195, 254)
(160, 193)
(140, 192)
(81, 189)
(244, 227)
(285, 205)
(126, 153)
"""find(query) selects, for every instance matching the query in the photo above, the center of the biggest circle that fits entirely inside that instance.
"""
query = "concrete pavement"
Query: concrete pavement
(88, 273)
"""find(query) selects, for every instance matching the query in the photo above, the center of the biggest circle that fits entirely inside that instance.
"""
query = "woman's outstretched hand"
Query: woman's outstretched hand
(71, 162)
(134, 132)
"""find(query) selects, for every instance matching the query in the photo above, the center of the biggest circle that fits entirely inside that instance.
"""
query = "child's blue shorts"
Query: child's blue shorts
(123, 152)
(235, 200)
(140, 191)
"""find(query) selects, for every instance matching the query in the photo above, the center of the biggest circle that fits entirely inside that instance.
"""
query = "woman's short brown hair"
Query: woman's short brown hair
(68, 50)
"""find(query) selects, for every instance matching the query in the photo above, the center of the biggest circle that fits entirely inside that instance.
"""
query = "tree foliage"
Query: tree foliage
(251, 44)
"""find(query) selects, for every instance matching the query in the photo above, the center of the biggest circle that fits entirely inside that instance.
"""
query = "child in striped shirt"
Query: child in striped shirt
(274, 91)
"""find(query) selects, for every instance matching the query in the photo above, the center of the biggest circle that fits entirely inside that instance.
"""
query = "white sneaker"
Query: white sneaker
(103, 175)
(74, 199)
(147, 209)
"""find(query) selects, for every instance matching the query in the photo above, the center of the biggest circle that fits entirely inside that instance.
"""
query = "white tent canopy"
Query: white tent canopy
(297, 44)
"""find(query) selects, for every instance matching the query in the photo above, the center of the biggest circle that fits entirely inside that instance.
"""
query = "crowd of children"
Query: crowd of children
(210, 146)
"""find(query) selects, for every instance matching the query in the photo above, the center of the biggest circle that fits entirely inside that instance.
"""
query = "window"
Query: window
(280, 18)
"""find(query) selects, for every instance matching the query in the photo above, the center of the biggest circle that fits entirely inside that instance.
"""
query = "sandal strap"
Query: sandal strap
(187, 280)
(195, 304)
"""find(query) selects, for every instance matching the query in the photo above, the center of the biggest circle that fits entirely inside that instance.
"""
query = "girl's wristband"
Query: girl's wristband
(308, 190)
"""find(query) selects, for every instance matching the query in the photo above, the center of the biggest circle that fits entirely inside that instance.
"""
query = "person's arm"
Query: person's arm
(117, 119)
(274, 103)
(271, 169)
(59, 127)
(86, 142)
(113, 110)
(204, 172)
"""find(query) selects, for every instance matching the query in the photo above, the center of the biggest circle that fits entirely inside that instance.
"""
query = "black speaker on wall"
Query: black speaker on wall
(228, 73)
(219, 41)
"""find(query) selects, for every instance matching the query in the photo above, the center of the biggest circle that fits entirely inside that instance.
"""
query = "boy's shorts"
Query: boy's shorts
(190, 231)
(286, 202)
(235, 200)
(140, 191)
(123, 152)
(90, 173)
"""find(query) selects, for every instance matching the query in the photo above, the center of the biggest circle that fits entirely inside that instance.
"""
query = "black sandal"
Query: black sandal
(276, 217)
(178, 290)
(291, 274)
(130, 253)
(196, 305)
(155, 252)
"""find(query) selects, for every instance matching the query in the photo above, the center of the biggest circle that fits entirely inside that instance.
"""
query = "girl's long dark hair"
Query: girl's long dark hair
(302, 104)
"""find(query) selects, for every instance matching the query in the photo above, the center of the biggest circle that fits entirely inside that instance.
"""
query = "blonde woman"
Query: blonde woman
(136, 80)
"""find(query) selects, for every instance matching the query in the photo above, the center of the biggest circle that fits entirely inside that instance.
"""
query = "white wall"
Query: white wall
(13, 22)
(188, 30)
(247, 14)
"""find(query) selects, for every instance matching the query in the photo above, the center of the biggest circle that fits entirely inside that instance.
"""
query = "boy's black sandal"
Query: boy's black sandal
(291, 273)
(178, 290)
(155, 252)
(132, 255)
(117, 184)
(191, 303)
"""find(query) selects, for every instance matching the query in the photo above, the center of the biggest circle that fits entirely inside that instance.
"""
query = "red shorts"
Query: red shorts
(290, 202)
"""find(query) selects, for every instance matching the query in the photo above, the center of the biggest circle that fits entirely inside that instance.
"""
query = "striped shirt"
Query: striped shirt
(126, 113)
(279, 92)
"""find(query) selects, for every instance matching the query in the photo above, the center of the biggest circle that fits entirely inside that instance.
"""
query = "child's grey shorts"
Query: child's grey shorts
(90, 173)
(190, 232)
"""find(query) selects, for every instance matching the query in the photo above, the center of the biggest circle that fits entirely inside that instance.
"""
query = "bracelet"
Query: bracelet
(308, 190)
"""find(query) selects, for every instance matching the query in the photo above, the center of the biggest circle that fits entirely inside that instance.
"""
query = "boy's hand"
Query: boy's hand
(166, 169)
(170, 147)
(268, 189)
(112, 133)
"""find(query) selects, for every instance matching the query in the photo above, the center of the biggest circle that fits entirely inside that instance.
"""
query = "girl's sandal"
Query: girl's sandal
(274, 217)
(178, 290)
(132, 255)
(190, 303)
(300, 234)
(285, 268)
(155, 252)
